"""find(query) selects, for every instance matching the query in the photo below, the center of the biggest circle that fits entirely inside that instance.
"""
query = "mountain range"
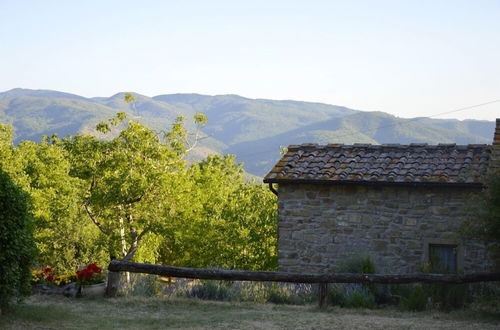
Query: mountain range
(252, 129)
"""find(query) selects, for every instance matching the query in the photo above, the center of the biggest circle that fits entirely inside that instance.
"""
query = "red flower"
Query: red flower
(94, 268)
(90, 274)
(47, 270)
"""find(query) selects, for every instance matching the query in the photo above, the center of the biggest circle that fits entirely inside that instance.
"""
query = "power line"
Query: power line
(393, 124)
(465, 108)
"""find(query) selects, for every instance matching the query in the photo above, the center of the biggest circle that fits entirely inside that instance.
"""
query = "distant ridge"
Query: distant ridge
(253, 129)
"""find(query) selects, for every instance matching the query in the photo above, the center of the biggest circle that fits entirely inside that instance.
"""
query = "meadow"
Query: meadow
(57, 312)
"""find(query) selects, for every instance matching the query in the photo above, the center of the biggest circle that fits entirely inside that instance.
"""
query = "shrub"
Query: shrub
(247, 291)
(276, 293)
(145, 285)
(211, 290)
(17, 248)
(354, 295)
(416, 300)
(280, 294)
(483, 221)
(336, 295)
(447, 296)
(360, 299)
(357, 264)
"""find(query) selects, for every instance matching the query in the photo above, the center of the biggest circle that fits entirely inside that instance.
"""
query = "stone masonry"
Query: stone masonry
(322, 225)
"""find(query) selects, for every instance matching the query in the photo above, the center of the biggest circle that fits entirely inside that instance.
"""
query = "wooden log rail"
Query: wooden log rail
(321, 279)
(243, 275)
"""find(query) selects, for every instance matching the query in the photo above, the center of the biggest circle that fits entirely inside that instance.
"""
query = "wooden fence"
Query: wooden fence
(321, 279)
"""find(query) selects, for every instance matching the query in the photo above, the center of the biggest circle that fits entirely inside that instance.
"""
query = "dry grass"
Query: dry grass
(50, 312)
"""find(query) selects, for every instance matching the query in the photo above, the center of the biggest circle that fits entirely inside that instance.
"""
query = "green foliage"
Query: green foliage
(416, 300)
(226, 223)
(420, 297)
(447, 296)
(289, 293)
(130, 184)
(145, 286)
(351, 296)
(354, 295)
(63, 240)
(360, 299)
(17, 248)
(211, 290)
(485, 295)
(129, 98)
(336, 295)
(484, 221)
(200, 119)
(133, 196)
(105, 126)
(357, 264)
(260, 292)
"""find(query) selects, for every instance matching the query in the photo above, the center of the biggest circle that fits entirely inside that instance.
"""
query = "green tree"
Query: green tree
(17, 248)
(484, 220)
(64, 241)
(128, 180)
(227, 222)
(42, 170)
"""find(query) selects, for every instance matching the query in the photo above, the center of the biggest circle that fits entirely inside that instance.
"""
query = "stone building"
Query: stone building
(399, 204)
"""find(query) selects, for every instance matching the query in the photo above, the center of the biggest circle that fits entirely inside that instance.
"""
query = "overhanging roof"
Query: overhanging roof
(365, 164)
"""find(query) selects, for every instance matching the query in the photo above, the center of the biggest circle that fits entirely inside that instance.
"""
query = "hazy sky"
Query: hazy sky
(408, 58)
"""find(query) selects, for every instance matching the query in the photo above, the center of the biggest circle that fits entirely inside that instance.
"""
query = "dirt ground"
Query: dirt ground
(51, 312)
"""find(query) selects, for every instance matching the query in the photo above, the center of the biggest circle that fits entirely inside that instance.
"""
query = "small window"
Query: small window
(443, 258)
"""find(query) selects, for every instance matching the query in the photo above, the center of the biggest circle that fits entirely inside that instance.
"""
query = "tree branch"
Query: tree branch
(94, 219)
(133, 200)
(135, 243)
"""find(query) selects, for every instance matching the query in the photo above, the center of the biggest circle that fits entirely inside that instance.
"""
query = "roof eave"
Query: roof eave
(377, 183)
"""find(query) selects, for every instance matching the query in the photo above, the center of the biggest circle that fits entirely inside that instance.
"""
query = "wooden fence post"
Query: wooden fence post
(113, 284)
(322, 294)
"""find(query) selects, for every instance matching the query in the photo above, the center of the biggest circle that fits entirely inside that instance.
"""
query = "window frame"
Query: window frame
(459, 255)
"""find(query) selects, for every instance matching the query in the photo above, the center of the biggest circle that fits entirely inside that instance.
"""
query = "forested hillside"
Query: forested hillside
(252, 129)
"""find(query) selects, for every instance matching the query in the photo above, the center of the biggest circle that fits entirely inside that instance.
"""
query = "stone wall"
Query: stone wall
(322, 225)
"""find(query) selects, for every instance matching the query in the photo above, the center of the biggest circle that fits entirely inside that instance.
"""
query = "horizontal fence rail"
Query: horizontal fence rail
(243, 275)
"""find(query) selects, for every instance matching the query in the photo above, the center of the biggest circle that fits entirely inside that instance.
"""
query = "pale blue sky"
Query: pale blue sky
(408, 58)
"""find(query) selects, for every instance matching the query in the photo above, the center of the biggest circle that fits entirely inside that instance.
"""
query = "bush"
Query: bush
(336, 295)
(357, 264)
(211, 290)
(447, 296)
(354, 295)
(416, 300)
(280, 293)
(351, 295)
(244, 291)
(17, 248)
(483, 222)
(360, 299)
(444, 297)
(145, 286)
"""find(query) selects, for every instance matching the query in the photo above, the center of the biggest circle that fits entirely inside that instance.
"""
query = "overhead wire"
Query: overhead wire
(392, 124)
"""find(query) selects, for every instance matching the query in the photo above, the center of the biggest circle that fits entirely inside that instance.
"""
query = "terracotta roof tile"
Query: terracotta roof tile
(414, 163)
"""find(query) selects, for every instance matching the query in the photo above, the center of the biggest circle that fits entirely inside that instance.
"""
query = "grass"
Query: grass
(54, 312)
